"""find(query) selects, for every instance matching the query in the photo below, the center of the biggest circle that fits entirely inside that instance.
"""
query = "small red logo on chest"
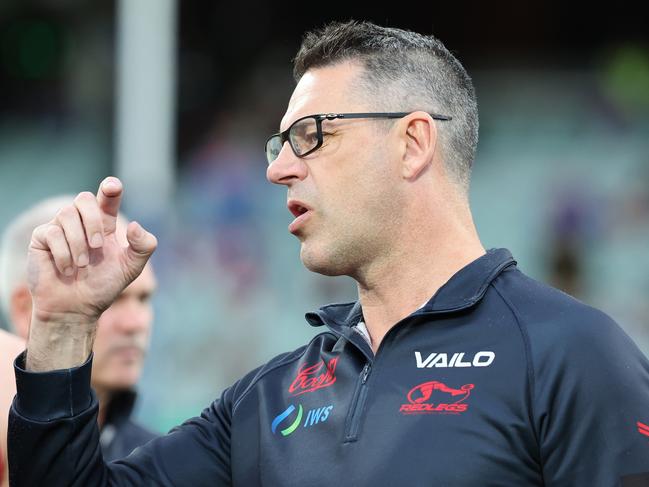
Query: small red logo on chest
(313, 377)
(436, 397)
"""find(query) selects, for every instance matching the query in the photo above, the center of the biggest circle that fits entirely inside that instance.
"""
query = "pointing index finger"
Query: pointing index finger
(109, 197)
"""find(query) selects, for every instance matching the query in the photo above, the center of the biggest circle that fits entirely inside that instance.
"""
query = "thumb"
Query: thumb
(141, 245)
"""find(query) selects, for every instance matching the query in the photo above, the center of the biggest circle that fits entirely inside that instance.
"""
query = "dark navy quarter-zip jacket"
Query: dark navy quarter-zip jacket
(497, 381)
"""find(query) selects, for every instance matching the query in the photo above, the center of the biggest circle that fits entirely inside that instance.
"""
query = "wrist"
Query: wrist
(62, 318)
(61, 342)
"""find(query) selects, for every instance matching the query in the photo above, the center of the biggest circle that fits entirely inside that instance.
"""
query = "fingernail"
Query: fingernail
(138, 230)
(68, 271)
(83, 261)
(111, 184)
(96, 240)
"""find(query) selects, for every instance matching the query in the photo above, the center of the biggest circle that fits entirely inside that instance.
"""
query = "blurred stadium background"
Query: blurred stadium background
(177, 99)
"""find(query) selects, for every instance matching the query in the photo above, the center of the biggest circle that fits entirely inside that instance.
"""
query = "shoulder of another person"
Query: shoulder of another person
(10, 345)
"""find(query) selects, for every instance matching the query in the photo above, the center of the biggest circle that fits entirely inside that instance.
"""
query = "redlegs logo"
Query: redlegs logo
(313, 377)
(436, 397)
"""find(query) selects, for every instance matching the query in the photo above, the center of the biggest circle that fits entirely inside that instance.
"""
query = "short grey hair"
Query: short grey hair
(404, 71)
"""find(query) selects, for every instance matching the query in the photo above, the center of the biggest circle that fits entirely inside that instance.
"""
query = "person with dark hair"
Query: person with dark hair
(452, 368)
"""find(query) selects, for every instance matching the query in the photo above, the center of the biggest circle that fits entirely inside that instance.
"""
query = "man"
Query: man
(122, 336)
(452, 368)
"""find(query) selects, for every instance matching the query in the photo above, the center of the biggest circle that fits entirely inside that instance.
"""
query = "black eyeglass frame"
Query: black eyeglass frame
(320, 117)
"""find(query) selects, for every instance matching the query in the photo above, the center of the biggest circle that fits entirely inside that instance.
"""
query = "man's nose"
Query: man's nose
(287, 168)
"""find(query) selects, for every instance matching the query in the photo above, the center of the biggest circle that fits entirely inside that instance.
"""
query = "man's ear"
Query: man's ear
(420, 137)
(20, 311)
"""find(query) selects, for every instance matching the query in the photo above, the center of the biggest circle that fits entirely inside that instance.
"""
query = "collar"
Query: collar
(463, 290)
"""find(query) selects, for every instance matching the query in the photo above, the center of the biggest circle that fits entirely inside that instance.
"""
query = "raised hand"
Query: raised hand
(77, 266)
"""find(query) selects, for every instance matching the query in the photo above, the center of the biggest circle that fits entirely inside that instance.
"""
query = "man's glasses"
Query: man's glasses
(305, 134)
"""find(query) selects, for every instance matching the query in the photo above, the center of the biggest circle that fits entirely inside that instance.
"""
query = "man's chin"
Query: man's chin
(118, 384)
(122, 378)
(319, 261)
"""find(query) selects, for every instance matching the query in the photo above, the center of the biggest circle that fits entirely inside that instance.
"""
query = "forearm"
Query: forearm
(54, 414)
(58, 342)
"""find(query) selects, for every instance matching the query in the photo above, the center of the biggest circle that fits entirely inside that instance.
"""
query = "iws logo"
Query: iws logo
(436, 397)
(313, 377)
(313, 417)
(480, 359)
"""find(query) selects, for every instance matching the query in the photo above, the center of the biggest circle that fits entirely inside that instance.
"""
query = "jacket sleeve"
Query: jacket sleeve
(591, 403)
(54, 440)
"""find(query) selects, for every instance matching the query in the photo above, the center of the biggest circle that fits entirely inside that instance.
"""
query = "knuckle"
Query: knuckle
(84, 196)
(66, 212)
(40, 230)
(53, 231)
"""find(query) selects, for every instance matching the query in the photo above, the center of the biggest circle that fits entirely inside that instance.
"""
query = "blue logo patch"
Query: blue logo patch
(313, 417)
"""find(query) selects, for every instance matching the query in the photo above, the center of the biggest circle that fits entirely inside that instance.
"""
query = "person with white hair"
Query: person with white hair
(119, 350)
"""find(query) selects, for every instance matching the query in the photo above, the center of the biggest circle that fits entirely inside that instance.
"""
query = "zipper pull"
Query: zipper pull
(366, 373)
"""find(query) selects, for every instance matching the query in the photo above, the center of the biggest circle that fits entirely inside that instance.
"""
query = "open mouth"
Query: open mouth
(297, 209)
(301, 212)
(128, 353)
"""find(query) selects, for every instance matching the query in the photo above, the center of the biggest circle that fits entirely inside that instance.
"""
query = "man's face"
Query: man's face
(349, 186)
(123, 335)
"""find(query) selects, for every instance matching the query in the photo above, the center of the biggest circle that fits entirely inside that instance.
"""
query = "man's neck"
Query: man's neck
(104, 397)
(409, 276)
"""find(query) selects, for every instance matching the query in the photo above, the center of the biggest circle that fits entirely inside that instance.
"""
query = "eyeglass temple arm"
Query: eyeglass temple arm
(333, 116)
